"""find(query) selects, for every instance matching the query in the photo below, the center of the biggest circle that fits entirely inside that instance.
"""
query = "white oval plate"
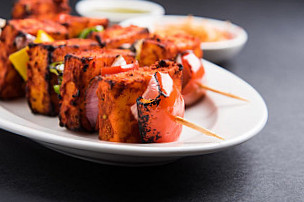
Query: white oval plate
(213, 51)
(234, 120)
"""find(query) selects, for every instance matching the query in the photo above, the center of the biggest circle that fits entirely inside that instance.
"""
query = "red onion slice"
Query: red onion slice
(194, 62)
(166, 83)
(179, 59)
(24, 40)
(119, 61)
(91, 103)
(152, 90)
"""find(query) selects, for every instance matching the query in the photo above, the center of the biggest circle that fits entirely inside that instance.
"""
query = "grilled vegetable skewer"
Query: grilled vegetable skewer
(141, 105)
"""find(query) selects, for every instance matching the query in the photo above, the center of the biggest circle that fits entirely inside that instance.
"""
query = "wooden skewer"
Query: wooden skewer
(196, 127)
(221, 92)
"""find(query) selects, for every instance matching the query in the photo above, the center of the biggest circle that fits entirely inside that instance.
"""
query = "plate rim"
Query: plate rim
(135, 149)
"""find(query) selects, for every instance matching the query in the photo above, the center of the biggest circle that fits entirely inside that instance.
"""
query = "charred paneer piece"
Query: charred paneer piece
(80, 68)
(40, 92)
(16, 35)
(76, 24)
(118, 93)
(45, 9)
(117, 36)
(157, 48)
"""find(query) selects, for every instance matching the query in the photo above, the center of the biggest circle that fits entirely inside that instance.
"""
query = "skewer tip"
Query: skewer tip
(189, 124)
(222, 93)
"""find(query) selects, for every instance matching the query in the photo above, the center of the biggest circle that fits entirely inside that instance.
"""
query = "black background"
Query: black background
(269, 167)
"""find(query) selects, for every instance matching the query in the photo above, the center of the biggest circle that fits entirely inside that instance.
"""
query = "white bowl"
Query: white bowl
(110, 9)
(213, 51)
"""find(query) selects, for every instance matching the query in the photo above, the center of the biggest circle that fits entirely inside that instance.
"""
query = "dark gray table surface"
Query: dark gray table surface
(269, 167)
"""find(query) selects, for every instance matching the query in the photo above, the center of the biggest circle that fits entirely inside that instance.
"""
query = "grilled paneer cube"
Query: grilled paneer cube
(76, 24)
(31, 26)
(40, 92)
(117, 93)
(156, 48)
(16, 35)
(80, 68)
(45, 9)
(117, 36)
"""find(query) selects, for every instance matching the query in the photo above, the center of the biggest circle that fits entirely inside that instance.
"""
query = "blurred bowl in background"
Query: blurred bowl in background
(215, 51)
(118, 10)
